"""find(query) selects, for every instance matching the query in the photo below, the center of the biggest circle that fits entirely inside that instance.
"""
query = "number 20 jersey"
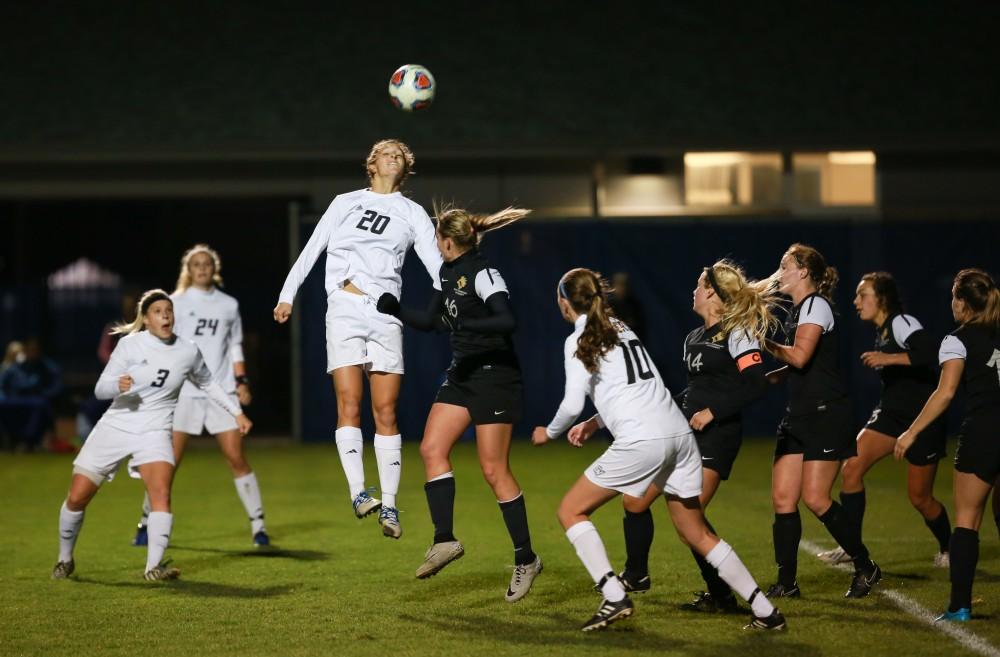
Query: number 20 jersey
(627, 389)
(211, 320)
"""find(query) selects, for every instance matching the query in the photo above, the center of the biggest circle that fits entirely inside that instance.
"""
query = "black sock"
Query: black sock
(713, 583)
(638, 539)
(964, 555)
(787, 531)
(836, 522)
(515, 516)
(941, 528)
(441, 501)
(854, 507)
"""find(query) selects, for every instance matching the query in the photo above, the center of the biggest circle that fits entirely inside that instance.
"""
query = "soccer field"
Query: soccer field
(335, 586)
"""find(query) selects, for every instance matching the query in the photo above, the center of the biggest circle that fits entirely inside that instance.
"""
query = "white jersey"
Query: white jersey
(366, 236)
(630, 397)
(212, 321)
(158, 370)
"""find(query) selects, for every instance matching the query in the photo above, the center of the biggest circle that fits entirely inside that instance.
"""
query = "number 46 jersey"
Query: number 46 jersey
(630, 397)
(211, 320)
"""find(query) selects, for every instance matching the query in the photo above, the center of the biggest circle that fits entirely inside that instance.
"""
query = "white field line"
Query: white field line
(963, 636)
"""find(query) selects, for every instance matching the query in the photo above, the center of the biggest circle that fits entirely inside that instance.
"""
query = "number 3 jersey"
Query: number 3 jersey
(630, 397)
(211, 320)
(158, 370)
(366, 236)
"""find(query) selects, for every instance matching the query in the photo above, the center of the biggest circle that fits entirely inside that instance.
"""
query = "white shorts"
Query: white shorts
(358, 334)
(671, 464)
(193, 414)
(106, 447)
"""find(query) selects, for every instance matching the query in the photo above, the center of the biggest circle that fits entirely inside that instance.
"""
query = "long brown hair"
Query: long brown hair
(466, 229)
(408, 159)
(979, 292)
(184, 277)
(587, 293)
(149, 297)
(746, 305)
(886, 292)
(823, 276)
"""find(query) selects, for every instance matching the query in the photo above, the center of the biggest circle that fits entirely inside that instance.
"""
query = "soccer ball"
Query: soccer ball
(412, 87)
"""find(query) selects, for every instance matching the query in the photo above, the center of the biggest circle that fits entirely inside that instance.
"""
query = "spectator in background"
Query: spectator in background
(13, 354)
(627, 308)
(28, 387)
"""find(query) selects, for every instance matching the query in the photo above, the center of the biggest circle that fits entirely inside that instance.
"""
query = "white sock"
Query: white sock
(350, 447)
(735, 574)
(160, 526)
(249, 492)
(389, 456)
(446, 475)
(70, 523)
(146, 508)
(590, 549)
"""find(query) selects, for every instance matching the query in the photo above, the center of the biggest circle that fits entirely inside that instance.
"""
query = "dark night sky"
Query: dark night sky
(144, 78)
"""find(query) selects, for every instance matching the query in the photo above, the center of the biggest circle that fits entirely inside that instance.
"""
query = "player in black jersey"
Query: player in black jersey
(725, 373)
(970, 355)
(815, 435)
(905, 358)
(483, 387)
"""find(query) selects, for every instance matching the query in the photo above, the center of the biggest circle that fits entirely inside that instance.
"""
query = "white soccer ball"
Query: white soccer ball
(412, 87)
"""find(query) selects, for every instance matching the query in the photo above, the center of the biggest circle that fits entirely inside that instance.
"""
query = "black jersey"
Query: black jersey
(714, 364)
(821, 379)
(466, 284)
(979, 346)
(905, 388)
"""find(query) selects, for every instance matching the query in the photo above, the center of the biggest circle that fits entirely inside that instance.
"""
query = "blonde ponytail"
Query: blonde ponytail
(746, 305)
(466, 229)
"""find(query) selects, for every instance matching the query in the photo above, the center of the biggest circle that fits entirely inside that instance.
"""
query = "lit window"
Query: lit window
(733, 179)
(834, 178)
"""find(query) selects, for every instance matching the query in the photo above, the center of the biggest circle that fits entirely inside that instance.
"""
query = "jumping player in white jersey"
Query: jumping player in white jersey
(366, 235)
(210, 318)
(144, 378)
(653, 447)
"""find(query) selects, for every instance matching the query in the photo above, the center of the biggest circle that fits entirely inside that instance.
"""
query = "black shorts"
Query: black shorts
(719, 444)
(978, 450)
(491, 393)
(930, 444)
(826, 435)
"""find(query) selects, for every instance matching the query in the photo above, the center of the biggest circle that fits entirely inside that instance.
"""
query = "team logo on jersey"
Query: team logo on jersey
(462, 282)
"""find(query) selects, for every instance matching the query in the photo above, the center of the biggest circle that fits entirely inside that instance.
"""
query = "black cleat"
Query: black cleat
(773, 622)
(779, 590)
(608, 613)
(705, 602)
(635, 584)
(863, 582)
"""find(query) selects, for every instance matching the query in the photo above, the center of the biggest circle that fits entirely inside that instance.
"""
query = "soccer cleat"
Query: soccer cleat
(162, 572)
(773, 622)
(521, 580)
(707, 603)
(141, 538)
(942, 560)
(862, 583)
(779, 590)
(365, 505)
(607, 613)
(834, 557)
(63, 569)
(963, 615)
(635, 584)
(388, 517)
(261, 539)
(438, 556)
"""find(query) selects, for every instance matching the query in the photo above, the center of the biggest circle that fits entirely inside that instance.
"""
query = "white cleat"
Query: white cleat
(388, 517)
(438, 556)
(942, 560)
(834, 557)
(521, 580)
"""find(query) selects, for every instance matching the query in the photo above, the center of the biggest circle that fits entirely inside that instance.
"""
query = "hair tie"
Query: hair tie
(151, 299)
(710, 275)
(562, 290)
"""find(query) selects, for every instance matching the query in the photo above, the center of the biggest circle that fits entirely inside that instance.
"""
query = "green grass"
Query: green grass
(337, 587)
